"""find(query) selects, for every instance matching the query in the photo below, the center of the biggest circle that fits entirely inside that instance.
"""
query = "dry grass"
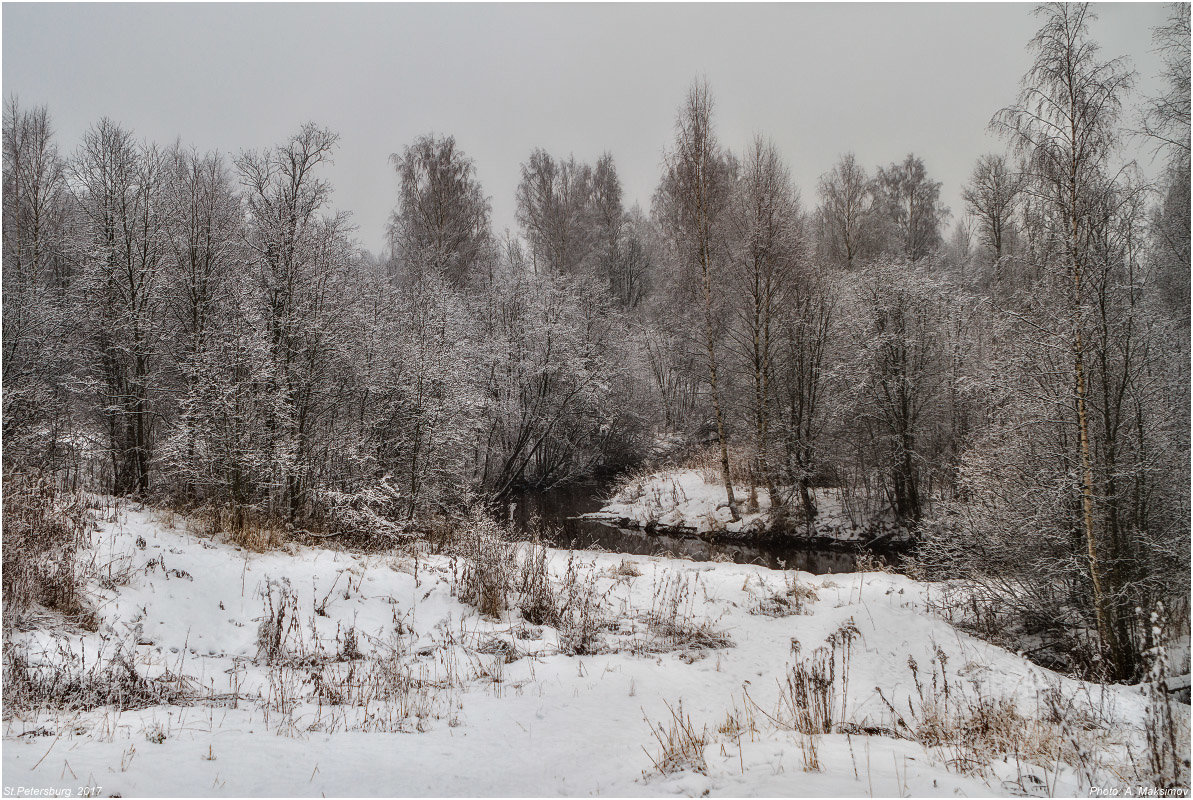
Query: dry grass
(679, 746)
(245, 526)
(279, 631)
(707, 461)
(626, 569)
(536, 595)
(44, 530)
(336, 683)
(673, 623)
(500, 575)
(490, 564)
(973, 729)
(583, 611)
(813, 695)
(659, 496)
(796, 598)
(66, 680)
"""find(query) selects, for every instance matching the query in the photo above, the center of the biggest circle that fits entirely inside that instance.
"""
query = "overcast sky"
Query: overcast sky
(820, 79)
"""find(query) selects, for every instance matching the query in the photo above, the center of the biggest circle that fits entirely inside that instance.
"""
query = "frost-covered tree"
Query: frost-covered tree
(37, 327)
(551, 350)
(908, 202)
(766, 229)
(203, 285)
(606, 219)
(302, 262)
(424, 384)
(118, 186)
(805, 397)
(990, 197)
(1083, 444)
(441, 224)
(898, 369)
(1166, 122)
(555, 210)
(691, 205)
(1066, 126)
(844, 216)
(1166, 117)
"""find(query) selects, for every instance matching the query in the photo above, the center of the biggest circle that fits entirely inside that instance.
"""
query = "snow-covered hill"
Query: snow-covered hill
(308, 671)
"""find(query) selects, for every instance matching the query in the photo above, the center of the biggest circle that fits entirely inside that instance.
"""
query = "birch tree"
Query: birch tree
(909, 202)
(442, 220)
(990, 197)
(691, 204)
(846, 204)
(1065, 125)
(767, 243)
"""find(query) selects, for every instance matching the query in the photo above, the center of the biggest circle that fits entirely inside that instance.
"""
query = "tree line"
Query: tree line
(204, 329)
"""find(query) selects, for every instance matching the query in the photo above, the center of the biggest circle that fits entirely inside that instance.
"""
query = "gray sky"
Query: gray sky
(879, 79)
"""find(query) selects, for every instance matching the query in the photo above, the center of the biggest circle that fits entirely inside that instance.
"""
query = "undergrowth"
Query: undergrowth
(44, 532)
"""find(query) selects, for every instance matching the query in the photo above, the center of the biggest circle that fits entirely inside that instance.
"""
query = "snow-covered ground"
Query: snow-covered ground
(448, 702)
(693, 501)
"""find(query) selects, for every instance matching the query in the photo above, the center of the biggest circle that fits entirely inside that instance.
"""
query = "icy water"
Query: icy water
(557, 509)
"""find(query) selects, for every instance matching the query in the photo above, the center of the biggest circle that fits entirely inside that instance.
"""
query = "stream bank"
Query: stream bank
(571, 517)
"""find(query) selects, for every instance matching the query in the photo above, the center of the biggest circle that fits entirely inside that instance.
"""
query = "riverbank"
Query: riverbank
(217, 671)
(693, 502)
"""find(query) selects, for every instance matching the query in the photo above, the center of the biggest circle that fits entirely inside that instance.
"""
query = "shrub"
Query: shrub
(489, 564)
(44, 530)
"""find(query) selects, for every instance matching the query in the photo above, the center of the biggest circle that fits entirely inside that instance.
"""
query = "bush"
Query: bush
(489, 564)
(43, 530)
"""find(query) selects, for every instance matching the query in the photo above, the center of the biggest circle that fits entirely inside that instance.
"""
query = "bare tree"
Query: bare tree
(606, 221)
(898, 369)
(1065, 125)
(634, 259)
(1167, 116)
(441, 224)
(36, 329)
(551, 357)
(553, 210)
(846, 203)
(990, 196)
(300, 258)
(691, 204)
(1166, 120)
(118, 185)
(767, 244)
(803, 362)
(909, 201)
(201, 282)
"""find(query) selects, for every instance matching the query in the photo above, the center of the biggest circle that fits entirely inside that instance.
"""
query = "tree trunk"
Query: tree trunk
(1104, 612)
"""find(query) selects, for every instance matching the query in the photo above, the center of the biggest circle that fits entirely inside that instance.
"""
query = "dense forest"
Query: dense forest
(1010, 379)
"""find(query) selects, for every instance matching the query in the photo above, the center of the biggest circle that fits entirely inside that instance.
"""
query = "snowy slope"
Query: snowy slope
(490, 706)
(685, 500)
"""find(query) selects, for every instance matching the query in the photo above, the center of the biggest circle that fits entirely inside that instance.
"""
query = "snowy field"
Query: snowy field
(308, 671)
(692, 501)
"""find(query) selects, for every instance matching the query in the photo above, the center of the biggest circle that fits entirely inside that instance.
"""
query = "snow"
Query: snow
(689, 500)
(546, 723)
